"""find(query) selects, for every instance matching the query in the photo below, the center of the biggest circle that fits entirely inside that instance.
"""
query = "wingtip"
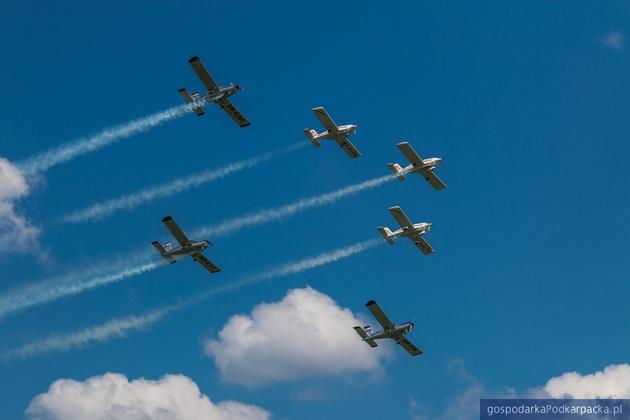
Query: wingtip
(181, 90)
(167, 218)
(154, 242)
(401, 143)
(193, 59)
(370, 303)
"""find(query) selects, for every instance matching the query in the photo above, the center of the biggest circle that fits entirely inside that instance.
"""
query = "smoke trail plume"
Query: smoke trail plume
(69, 151)
(120, 327)
(127, 202)
(269, 215)
(47, 291)
(63, 342)
(287, 269)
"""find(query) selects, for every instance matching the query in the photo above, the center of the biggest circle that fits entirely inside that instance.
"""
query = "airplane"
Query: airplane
(338, 133)
(396, 332)
(188, 247)
(217, 94)
(408, 229)
(424, 167)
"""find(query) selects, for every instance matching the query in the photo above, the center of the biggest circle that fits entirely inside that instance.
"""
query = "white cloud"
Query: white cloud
(614, 40)
(612, 382)
(17, 234)
(306, 334)
(112, 396)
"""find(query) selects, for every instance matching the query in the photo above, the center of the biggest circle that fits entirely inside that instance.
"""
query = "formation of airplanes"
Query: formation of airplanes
(339, 133)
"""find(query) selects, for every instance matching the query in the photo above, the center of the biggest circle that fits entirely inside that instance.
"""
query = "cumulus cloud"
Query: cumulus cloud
(614, 40)
(113, 396)
(17, 234)
(612, 382)
(306, 334)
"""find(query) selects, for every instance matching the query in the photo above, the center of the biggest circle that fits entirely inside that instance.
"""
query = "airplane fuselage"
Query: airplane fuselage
(223, 92)
(397, 331)
(344, 130)
(195, 246)
(418, 229)
(427, 165)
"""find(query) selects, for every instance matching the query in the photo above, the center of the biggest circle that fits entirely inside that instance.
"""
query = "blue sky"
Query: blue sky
(524, 101)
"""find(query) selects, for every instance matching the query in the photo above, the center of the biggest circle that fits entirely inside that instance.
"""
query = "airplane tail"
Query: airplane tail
(396, 170)
(312, 136)
(387, 234)
(364, 335)
(188, 99)
(161, 250)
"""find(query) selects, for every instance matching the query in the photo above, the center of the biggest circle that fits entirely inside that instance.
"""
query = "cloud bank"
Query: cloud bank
(612, 382)
(17, 234)
(113, 396)
(306, 334)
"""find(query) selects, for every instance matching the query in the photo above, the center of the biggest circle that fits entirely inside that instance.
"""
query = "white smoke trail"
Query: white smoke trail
(126, 202)
(269, 215)
(74, 283)
(120, 327)
(69, 151)
(63, 342)
(288, 269)
(47, 291)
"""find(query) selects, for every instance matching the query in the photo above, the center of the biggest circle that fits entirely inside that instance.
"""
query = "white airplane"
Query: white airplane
(408, 229)
(188, 247)
(390, 330)
(217, 94)
(424, 167)
(338, 133)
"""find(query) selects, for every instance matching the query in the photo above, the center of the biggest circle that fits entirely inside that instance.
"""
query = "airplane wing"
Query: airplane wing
(400, 217)
(433, 179)
(409, 346)
(348, 147)
(203, 74)
(323, 116)
(379, 315)
(233, 112)
(176, 231)
(423, 245)
(159, 247)
(206, 263)
(409, 153)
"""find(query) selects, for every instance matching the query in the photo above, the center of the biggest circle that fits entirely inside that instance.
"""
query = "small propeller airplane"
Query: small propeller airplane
(187, 247)
(338, 133)
(424, 167)
(408, 229)
(217, 94)
(390, 330)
